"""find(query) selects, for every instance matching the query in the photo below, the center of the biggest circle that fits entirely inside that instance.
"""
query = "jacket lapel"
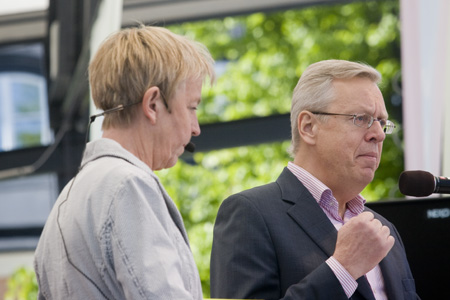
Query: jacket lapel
(388, 266)
(307, 213)
(392, 284)
(174, 213)
(363, 289)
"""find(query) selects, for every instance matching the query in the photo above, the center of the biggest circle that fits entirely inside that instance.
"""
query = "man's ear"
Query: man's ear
(150, 103)
(307, 127)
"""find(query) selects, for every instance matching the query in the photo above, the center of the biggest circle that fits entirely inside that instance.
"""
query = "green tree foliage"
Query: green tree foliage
(265, 54)
(22, 285)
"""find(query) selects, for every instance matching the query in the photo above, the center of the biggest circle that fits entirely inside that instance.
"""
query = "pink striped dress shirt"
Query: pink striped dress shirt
(324, 197)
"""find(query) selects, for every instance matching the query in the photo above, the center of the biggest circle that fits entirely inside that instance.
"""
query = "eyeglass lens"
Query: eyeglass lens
(367, 121)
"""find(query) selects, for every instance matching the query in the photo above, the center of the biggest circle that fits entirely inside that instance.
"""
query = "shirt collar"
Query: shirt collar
(322, 194)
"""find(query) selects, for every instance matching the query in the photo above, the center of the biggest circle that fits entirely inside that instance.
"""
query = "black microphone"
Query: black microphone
(190, 147)
(421, 184)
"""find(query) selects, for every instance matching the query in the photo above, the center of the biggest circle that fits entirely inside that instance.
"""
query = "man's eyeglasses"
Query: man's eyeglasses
(364, 121)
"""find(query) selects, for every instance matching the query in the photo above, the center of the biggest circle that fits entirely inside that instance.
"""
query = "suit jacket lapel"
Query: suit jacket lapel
(364, 289)
(307, 213)
(174, 213)
(388, 266)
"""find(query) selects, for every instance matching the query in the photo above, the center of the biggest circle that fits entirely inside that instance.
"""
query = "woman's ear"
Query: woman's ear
(150, 103)
(307, 127)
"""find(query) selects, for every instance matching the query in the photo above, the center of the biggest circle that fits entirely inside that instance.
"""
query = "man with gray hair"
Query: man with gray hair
(308, 235)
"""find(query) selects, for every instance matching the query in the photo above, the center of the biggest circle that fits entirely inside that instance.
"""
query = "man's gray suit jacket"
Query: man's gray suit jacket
(272, 241)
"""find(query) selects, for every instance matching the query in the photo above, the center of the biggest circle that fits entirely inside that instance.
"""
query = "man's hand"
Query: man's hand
(362, 243)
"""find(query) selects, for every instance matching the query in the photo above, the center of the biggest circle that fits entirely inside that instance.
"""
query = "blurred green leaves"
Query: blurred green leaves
(22, 285)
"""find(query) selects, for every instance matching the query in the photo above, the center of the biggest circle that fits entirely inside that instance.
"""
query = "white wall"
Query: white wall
(425, 30)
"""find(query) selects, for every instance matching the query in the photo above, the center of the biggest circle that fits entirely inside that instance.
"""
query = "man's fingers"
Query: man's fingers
(366, 216)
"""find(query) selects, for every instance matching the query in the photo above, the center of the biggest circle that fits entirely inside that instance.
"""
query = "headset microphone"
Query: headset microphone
(190, 147)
